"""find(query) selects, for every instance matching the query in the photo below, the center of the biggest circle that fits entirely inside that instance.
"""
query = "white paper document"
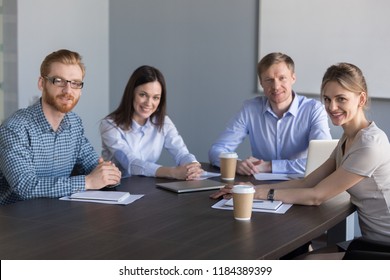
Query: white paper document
(260, 204)
(206, 175)
(107, 197)
(280, 210)
(276, 176)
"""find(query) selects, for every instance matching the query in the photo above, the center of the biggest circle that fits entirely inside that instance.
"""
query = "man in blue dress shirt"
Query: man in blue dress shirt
(279, 124)
(43, 150)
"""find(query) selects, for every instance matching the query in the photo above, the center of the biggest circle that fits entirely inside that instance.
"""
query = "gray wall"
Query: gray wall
(34, 30)
(41, 31)
(10, 69)
(207, 51)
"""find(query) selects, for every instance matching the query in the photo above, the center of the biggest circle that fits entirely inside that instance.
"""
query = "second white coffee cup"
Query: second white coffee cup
(242, 201)
(228, 163)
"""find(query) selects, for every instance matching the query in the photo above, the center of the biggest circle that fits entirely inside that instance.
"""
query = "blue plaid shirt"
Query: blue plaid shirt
(36, 161)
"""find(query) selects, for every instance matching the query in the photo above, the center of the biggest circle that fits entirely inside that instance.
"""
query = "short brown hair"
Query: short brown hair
(274, 58)
(62, 56)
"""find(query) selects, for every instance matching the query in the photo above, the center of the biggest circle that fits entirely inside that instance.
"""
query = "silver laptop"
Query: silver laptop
(191, 186)
(318, 152)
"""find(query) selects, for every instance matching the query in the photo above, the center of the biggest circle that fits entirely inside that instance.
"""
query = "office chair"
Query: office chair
(363, 249)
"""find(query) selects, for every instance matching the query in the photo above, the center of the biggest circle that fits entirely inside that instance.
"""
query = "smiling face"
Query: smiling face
(146, 100)
(343, 107)
(277, 82)
(61, 99)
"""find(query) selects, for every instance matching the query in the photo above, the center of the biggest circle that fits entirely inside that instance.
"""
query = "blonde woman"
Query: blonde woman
(360, 164)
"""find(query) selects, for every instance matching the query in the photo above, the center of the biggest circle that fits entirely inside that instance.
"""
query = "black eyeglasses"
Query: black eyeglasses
(62, 82)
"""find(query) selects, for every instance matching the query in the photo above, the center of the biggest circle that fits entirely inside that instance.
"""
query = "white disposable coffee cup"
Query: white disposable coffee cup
(243, 202)
(228, 163)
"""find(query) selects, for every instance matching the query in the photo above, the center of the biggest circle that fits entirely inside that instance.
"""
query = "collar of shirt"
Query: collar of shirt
(44, 124)
(136, 127)
(293, 109)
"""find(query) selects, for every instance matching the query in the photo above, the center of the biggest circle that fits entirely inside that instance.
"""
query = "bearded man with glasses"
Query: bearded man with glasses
(43, 150)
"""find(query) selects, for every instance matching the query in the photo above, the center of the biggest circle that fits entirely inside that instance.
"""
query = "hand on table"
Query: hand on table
(190, 171)
(226, 191)
(193, 171)
(105, 173)
(252, 166)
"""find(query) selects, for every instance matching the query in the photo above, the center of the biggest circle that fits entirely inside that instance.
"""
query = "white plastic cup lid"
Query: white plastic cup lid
(228, 155)
(243, 189)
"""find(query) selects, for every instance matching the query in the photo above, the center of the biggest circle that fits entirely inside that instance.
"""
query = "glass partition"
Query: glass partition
(1, 64)
(8, 59)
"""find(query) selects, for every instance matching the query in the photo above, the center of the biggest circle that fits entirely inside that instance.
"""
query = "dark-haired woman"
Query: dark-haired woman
(134, 135)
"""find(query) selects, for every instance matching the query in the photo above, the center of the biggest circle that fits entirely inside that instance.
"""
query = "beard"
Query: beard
(56, 101)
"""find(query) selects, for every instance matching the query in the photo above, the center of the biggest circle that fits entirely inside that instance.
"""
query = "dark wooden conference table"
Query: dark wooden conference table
(161, 225)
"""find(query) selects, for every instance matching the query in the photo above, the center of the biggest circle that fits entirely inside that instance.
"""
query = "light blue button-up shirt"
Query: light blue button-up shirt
(282, 141)
(136, 151)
